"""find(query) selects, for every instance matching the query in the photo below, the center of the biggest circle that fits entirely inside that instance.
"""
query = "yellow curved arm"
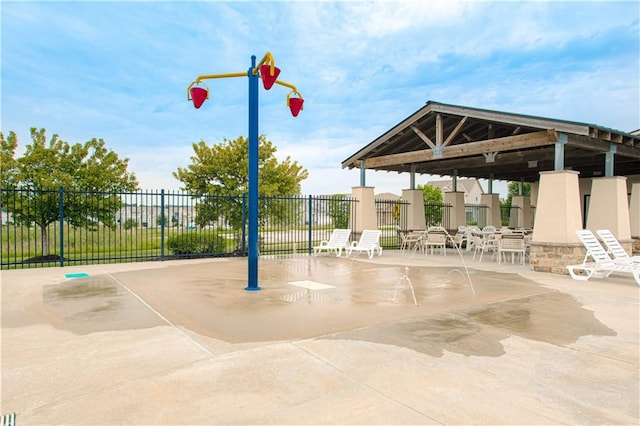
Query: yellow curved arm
(193, 84)
(199, 79)
(294, 92)
(293, 88)
(267, 59)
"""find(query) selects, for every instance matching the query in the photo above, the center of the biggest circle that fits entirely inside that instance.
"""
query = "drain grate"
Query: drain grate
(8, 419)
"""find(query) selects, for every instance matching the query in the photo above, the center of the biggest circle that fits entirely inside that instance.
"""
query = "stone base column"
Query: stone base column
(634, 210)
(458, 214)
(555, 243)
(492, 201)
(364, 210)
(415, 209)
(609, 206)
(523, 202)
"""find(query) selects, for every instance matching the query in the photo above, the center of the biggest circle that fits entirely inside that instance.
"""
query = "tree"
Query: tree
(513, 188)
(219, 174)
(431, 194)
(90, 174)
(339, 207)
(433, 204)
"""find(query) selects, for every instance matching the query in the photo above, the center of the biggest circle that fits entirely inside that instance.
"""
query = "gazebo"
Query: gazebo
(579, 172)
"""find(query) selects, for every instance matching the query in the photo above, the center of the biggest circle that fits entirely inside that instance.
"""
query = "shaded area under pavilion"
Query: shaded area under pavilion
(582, 175)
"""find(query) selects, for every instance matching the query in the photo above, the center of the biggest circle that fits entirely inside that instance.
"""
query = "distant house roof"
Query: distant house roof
(439, 139)
(386, 196)
(465, 184)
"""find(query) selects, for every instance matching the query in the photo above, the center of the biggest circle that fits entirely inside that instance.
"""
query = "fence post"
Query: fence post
(244, 222)
(162, 224)
(61, 205)
(310, 245)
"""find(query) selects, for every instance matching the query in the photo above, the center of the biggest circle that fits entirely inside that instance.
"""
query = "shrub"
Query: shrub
(197, 243)
(130, 223)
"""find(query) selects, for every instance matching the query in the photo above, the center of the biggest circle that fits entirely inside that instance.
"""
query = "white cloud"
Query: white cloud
(119, 71)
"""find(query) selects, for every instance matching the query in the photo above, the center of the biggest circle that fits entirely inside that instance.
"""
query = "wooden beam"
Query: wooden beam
(510, 143)
(455, 131)
(594, 144)
(424, 137)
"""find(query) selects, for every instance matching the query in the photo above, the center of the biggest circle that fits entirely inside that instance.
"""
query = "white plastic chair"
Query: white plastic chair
(411, 240)
(511, 243)
(483, 246)
(338, 241)
(436, 238)
(615, 248)
(602, 265)
(369, 242)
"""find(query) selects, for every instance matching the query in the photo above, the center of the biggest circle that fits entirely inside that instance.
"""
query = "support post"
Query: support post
(61, 206)
(558, 161)
(609, 160)
(253, 178)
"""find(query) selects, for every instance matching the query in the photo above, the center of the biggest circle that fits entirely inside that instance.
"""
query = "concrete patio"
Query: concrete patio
(326, 341)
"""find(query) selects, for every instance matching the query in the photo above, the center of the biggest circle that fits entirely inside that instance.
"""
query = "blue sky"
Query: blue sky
(119, 71)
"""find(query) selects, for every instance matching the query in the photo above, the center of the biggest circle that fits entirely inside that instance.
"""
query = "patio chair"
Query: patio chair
(513, 243)
(602, 265)
(489, 229)
(338, 241)
(614, 247)
(436, 238)
(483, 246)
(411, 239)
(369, 242)
(462, 235)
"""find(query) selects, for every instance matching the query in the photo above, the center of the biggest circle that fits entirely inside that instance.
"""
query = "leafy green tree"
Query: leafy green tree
(433, 200)
(513, 188)
(219, 173)
(339, 206)
(431, 194)
(90, 174)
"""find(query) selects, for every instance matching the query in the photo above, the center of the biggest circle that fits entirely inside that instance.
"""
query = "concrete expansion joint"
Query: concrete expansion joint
(364, 384)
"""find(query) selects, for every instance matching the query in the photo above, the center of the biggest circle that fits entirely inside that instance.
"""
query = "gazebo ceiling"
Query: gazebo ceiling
(439, 138)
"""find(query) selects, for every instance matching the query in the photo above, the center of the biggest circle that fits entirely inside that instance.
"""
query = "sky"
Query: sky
(119, 71)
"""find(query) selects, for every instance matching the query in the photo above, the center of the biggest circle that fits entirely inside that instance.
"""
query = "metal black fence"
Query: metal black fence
(437, 214)
(60, 227)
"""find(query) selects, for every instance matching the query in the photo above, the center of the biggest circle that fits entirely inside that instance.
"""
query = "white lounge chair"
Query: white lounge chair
(615, 248)
(338, 241)
(369, 242)
(602, 264)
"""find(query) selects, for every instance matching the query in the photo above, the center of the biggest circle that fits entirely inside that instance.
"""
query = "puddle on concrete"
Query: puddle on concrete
(92, 304)
(551, 317)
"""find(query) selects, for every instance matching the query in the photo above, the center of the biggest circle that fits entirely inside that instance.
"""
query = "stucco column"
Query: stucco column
(634, 210)
(554, 243)
(535, 186)
(365, 209)
(492, 201)
(457, 212)
(523, 212)
(558, 214)
(415, 209)
(609, 206)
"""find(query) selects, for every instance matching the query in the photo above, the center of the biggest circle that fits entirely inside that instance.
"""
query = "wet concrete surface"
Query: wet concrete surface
(355, 295)
(354, 326)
